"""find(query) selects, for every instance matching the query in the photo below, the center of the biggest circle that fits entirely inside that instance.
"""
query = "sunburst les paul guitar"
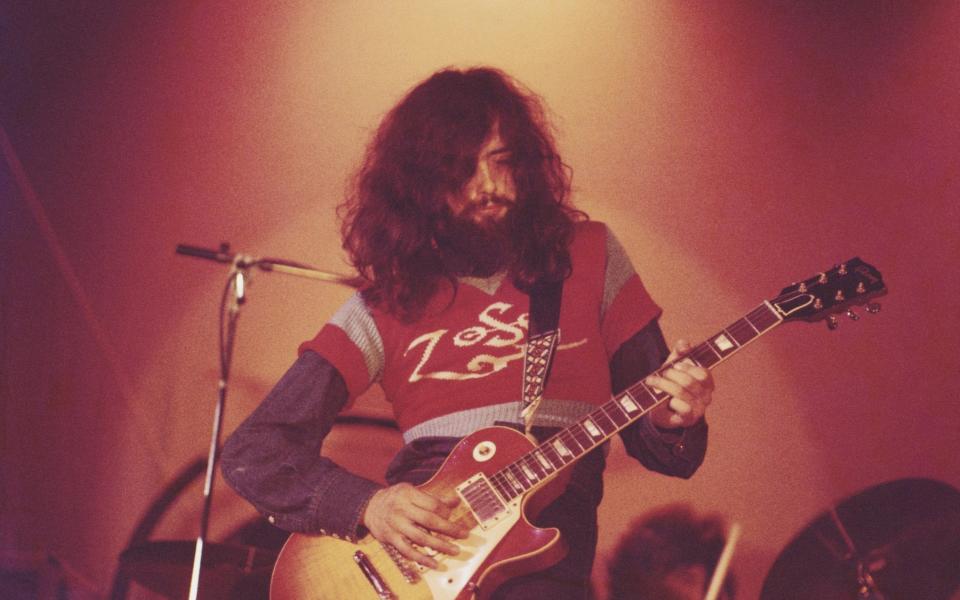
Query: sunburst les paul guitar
(501, 477)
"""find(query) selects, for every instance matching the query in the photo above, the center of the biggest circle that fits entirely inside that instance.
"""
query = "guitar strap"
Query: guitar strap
(542, 340)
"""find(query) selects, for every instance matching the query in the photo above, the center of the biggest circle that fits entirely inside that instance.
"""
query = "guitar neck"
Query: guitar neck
(590, 431)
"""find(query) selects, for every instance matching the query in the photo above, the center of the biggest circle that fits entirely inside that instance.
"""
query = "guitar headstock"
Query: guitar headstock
(826, 294)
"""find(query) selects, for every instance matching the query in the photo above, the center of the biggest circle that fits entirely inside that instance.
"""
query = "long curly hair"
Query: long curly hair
(426, 149)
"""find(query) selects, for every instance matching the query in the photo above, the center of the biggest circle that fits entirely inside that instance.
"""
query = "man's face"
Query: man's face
(487, 197)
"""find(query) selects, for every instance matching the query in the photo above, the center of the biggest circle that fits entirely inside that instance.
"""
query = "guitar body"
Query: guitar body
(315, 567)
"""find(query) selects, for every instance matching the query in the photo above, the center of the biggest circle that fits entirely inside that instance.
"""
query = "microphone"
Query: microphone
(221, 255)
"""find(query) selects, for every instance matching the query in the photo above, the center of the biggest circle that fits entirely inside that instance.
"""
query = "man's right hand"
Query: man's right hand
(402, 515)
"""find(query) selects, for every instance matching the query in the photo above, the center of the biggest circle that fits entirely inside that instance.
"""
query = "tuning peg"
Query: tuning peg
(853, 315)
(833, 322)
(873, 308)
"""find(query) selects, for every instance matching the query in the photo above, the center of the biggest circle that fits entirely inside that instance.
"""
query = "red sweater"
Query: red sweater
(459, 368)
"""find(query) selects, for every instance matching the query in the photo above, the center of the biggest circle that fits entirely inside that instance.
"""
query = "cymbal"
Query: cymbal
(897, 540)
(165, 567)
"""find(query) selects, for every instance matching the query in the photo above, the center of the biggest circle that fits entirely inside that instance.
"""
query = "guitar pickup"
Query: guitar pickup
(482, 500)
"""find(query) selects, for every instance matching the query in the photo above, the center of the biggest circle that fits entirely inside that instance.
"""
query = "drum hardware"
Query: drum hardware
(896, 540)
(229, 571)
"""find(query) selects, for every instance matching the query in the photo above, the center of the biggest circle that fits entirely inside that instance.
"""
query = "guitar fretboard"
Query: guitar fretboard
(571, 443)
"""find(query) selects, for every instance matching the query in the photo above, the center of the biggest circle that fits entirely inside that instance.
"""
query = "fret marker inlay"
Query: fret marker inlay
(723, 343)
(592, 428)
(543, 461)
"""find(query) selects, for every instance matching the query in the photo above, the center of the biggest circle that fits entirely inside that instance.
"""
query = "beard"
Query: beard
(477, 249)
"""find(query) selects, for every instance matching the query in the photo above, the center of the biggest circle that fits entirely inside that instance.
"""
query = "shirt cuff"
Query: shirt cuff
(674, 439)
(337, 508)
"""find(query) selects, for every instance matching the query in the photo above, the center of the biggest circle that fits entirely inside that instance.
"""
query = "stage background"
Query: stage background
(733, 148)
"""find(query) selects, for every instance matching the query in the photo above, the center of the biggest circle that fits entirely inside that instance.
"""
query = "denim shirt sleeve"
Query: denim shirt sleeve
(273, 458)
(678, 452)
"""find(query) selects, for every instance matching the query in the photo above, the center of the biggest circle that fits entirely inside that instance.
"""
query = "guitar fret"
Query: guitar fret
(752, 326)
(512, 480)
(699, 356)
(628, 402)
(571, 440)
(528, 463)
(658, 394)
(703, 355)
(743, 331)
(601, 418)
(722, 345)
(649, 394)
(709, 344)
(521, 476)
(619, 418)
(605, 426)
(725, 343)
(581, 437)
(608, 426)
(762, 318)
(561, 449)
(591, 428)
(547, 465)
(500, 485)
(552, 455)
(729, 337)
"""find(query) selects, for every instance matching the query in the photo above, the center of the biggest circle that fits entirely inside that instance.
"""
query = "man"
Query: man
(669, 554)
(459, 209)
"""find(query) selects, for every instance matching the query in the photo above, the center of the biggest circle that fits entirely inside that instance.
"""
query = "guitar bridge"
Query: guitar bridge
(379, 585)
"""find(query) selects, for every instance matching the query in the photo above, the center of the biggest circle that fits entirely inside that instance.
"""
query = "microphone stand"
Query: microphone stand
(234, 296)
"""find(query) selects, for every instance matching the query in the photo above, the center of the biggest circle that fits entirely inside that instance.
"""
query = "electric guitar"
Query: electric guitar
(500, 476)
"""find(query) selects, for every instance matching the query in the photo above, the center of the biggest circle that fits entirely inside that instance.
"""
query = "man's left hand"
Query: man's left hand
(690, 388)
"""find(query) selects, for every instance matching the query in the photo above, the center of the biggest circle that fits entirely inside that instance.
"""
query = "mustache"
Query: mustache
(488, 200)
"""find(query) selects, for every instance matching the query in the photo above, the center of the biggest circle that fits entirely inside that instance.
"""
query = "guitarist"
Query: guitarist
(461, 205)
